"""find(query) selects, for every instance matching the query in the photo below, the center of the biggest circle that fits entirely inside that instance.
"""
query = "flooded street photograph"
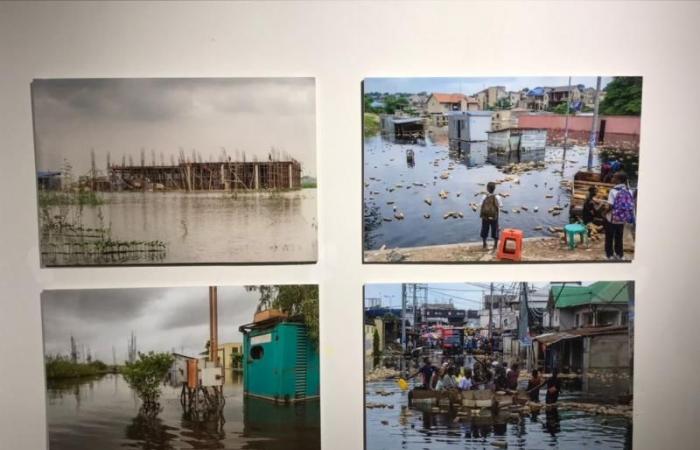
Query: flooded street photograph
(499, 365)
(183, 368)
(500, 169)
(150, 171)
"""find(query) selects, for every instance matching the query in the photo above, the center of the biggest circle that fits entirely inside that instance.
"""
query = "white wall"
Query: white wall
(339, 44)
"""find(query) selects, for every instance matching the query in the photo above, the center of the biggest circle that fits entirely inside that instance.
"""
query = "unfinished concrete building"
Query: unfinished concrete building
(209, 176)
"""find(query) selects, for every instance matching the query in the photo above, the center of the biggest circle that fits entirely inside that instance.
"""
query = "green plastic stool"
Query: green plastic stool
(572, 230)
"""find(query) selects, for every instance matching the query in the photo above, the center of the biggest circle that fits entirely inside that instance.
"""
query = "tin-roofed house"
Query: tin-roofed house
(594, 337)
(280, 362)
(403, 128)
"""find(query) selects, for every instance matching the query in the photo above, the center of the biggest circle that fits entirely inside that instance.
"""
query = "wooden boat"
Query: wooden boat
(468, 399)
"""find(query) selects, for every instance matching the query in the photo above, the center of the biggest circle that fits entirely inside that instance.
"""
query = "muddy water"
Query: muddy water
(415, 429)
(102, 414)
(386, 166)
(211, 227)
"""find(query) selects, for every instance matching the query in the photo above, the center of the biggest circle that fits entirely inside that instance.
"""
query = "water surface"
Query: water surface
(102, 413)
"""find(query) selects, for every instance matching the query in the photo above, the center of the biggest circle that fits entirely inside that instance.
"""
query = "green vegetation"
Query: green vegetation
(308, 183)
(623, 96)
(295, 300)
(561, 109)
(146, 375)
(58, 366)
(502, 103)
(370, 124)
(376, 352)
(59, 198)
(390, 103)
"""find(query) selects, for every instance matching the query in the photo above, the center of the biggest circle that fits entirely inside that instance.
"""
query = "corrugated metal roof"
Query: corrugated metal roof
(601, 292)
(553, 338)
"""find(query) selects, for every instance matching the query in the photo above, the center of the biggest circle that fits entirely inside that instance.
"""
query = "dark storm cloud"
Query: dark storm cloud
(98, 304)
(160, 318)
(163, 99)
(75, 117)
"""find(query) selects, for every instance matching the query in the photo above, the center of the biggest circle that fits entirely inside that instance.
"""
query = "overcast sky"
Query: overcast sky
(121, 116)
(162, 319)
(470, 86)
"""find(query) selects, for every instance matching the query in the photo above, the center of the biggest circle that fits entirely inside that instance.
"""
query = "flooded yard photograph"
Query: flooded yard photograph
(196, 368)
(175, 171)
(520, 170)
(499, 365)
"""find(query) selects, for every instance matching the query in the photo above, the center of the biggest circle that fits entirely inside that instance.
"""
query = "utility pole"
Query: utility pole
(491, 311)
(415, 288)
(213, 326)
(403, 326)
(403, 316)
(566, 128)
(523, 325)
(594, 128)
(500, 312)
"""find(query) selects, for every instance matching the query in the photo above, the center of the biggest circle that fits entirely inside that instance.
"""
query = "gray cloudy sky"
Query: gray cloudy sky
(162, 319)
(162, 115)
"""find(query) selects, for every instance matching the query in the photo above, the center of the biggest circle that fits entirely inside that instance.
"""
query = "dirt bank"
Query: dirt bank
(539, 249)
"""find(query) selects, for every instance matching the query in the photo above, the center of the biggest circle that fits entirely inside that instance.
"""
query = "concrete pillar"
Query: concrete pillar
(257, 178)
(291, 181)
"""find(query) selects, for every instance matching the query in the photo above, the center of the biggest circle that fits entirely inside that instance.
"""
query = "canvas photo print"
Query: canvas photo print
(499, 365)
(187, 367)
(500, 169)
(175, 171)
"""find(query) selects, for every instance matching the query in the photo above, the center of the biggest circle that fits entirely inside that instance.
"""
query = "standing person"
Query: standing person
(620, 212)
(553, 387)
(512, 377)
(491, 204)
(533, 386)
(426, 372)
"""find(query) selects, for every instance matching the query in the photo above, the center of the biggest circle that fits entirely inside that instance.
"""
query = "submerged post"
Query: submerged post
(594, 128)
(566, 127)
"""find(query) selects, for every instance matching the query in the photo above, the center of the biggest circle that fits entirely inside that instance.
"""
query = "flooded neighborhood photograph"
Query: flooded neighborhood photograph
(500, 169)
(150, 171)
(170, 368)
(499, 365)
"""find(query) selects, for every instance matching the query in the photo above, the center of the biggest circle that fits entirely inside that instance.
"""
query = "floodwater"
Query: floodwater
(102, 413)
(386, 166)
(210, 227)
(415, 429)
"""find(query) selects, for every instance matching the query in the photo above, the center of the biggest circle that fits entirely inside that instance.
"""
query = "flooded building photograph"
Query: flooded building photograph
(500, 169)
(549, 365)
(150, 171)
(187, 367)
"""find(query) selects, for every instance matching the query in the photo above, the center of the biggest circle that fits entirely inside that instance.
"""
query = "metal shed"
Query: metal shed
(515, 145)
(469, 126)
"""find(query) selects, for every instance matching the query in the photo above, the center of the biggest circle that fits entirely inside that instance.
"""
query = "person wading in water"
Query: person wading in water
(490, 207)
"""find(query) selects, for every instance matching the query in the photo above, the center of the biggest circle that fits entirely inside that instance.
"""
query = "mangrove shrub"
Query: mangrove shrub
(146, 374)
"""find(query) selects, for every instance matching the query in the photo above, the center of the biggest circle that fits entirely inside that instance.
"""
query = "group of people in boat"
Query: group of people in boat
(496, 377)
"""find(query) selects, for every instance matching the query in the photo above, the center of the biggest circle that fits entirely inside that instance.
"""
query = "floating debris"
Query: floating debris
(524, 208)
(428, 201)
(399, 216)
(443, 195)
(426, 215)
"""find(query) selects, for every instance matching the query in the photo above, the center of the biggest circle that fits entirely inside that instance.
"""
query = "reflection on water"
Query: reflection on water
(397, 426)
(211, 227)
(103, 413)
(390, 183)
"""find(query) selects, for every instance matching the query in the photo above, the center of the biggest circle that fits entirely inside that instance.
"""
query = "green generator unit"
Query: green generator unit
(280, 363)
